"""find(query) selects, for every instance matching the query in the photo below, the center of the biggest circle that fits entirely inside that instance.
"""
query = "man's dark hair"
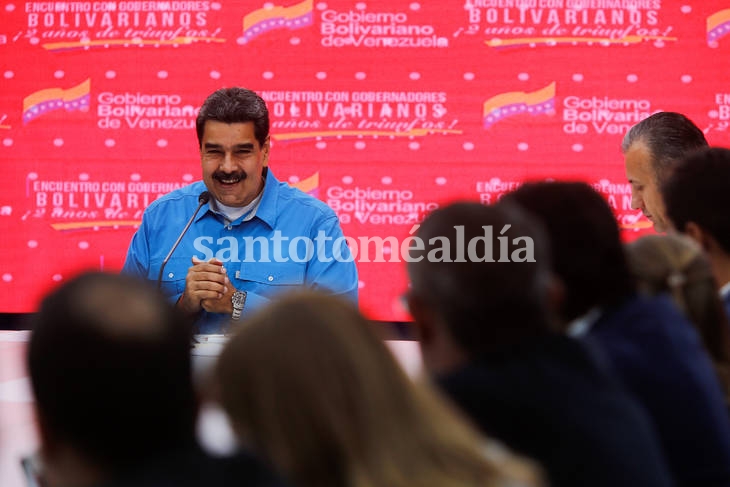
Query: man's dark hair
(699, 191)
(110, 367)
(669, 137)
(587, 252)
(235, 105)
(485, 304)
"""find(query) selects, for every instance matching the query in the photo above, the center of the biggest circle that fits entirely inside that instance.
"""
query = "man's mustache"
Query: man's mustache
(220, 175)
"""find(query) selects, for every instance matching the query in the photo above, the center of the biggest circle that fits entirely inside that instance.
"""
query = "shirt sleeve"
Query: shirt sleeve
(137, 262)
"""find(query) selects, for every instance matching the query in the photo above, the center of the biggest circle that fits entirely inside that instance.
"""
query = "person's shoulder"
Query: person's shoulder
(647, 315)
(560, 361)
(635, 313)
(289, 195)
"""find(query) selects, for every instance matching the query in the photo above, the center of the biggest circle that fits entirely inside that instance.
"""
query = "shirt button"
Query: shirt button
(171, 275)
(228, 227)
(271, 278)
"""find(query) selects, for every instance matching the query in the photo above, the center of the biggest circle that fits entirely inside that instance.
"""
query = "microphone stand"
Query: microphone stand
(202, 199)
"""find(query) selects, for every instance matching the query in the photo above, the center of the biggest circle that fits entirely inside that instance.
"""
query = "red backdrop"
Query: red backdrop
(382, 109)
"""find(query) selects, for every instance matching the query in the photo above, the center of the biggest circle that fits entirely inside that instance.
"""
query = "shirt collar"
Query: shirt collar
(247, 212)
(267, 210)
(582, 325)
(725, 290)
(206, 208)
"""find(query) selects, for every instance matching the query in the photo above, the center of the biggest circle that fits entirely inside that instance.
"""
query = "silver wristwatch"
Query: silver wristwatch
(238, 300)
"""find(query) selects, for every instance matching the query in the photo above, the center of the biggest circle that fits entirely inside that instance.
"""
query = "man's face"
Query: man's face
(645, 195)
(233, 162)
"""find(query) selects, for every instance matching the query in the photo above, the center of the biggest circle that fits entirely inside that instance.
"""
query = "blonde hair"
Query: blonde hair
(308, 384)
(676, 264)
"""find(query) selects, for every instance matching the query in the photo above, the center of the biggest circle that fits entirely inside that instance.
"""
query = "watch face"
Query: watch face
(238, 298)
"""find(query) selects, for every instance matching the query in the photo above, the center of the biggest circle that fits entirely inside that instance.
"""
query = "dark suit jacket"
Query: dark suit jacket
(658, 355)
(550, 400)
(192, 467)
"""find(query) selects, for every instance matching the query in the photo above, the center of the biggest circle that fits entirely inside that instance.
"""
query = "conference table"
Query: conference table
(18, 436)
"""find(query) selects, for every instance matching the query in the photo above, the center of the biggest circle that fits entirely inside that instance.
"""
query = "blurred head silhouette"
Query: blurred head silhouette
(697, 196)
(587, 253)
(495, 292)
(109, 362)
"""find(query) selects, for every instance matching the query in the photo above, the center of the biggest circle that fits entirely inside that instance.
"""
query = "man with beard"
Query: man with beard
(253, 239)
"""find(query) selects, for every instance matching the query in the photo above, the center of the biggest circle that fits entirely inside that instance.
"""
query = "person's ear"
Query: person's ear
(555, 295)
(265, 150)
(45, 434)
(422, 315)
(699, 235)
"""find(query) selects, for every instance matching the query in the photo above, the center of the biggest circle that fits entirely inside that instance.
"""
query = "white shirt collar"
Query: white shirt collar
(725, 290)
(233, 213)
(582, 325)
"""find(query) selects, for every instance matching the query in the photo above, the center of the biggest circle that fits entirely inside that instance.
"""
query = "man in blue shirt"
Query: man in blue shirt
(253, 239)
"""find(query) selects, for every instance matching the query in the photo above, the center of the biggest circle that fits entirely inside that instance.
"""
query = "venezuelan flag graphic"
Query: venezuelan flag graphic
(718, 25)
(512, 103)
(50, 99)
(309, 185)
(270, 18)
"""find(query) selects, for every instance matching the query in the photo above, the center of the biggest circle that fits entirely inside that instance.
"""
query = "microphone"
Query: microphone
(202, 199)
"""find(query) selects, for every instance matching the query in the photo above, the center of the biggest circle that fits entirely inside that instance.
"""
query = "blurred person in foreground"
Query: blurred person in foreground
(697, 197)
(647, 342)
(255, 238)
(110, 368)
(652, 149)
(309, 385)
(675, 264)
(486, 332)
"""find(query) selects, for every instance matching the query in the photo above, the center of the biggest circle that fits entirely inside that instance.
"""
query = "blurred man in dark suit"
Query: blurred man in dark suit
(486, 333)
(648, 343)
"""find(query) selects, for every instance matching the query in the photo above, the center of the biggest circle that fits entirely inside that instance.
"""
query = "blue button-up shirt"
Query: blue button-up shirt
(293, 240)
